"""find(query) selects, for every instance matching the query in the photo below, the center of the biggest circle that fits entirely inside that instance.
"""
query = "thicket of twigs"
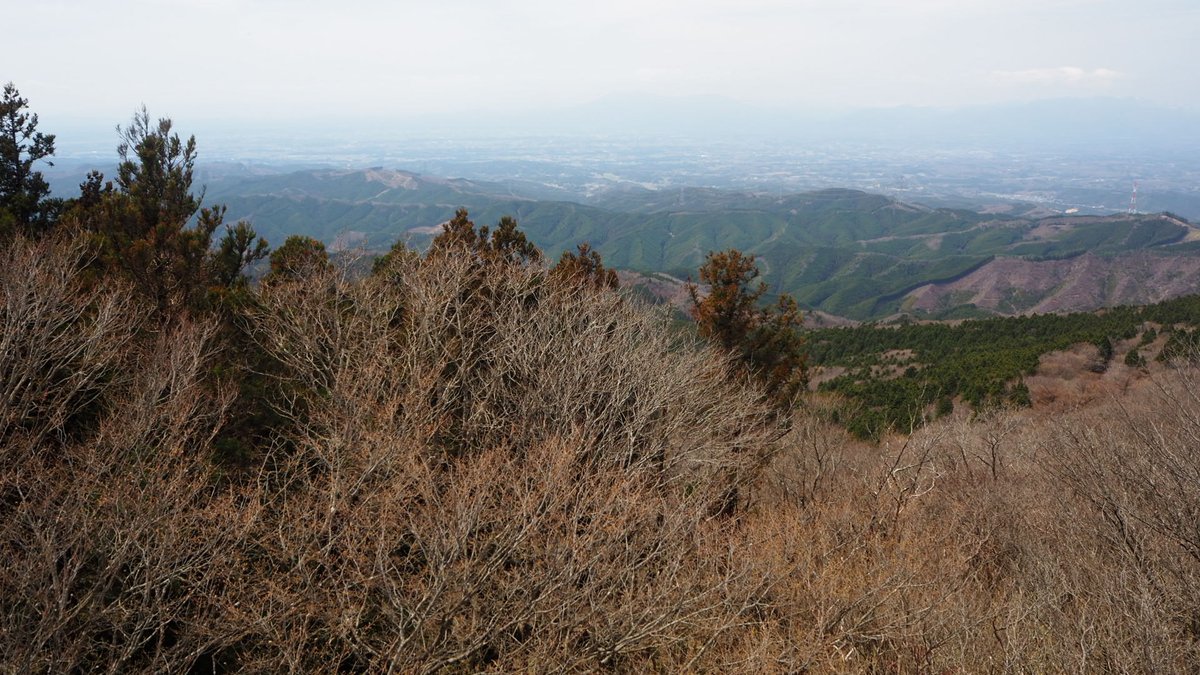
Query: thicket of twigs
(475, 468)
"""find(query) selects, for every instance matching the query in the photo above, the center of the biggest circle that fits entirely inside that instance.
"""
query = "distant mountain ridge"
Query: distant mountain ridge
(845, 252)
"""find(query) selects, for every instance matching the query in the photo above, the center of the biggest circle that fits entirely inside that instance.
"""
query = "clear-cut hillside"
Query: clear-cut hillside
(1089, 281)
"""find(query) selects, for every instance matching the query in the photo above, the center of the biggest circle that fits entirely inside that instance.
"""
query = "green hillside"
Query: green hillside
(845, 252)
(897, 376)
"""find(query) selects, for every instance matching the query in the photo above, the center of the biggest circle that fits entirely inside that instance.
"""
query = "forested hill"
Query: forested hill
(845, 252)
(898, 376)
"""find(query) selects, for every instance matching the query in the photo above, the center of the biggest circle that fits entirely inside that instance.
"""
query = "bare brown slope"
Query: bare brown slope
(1016, 286)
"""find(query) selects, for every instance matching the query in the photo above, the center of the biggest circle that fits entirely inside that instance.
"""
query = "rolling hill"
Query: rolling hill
(844, 252)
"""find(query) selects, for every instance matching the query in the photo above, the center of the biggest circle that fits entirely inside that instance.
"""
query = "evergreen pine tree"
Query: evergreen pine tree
(25, 203)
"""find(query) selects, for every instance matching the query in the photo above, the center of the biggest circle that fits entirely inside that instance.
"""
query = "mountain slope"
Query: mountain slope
(1086, 282)
(845, 252)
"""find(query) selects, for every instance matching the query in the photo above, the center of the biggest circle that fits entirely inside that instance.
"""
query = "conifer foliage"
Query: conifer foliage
(151, 229)
(584, 268)
(765, 339)
(299, 257)
(25, 203)
(504, 244)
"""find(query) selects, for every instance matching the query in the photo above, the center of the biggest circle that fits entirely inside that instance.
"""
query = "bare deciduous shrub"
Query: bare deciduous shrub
(111, 547)
(1137, 473)
(853, 584)
(59, 344)
(488, 470)
(814, 461)
(499, 561)
(478, 361)
(959, 551)
(483, 471)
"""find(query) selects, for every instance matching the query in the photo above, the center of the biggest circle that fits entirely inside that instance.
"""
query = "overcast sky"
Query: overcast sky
(298, 59)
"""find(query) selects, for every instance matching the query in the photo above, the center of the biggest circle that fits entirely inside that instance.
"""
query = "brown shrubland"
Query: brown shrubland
(477, 470)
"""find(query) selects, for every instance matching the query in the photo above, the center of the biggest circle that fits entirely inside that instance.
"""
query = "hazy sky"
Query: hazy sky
(297, 59)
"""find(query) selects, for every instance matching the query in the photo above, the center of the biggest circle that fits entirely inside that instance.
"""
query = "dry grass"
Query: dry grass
(1011, 543)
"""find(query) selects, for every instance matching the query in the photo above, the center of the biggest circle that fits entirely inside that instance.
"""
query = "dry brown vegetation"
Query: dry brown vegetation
(481, 471)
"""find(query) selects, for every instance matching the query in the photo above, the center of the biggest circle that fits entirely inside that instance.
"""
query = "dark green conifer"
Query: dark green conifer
(25, 203)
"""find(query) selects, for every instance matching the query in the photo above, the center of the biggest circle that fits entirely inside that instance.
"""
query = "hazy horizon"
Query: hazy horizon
(225, 62)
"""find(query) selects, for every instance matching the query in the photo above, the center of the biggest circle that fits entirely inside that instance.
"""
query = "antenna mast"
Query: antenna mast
(1133, 199)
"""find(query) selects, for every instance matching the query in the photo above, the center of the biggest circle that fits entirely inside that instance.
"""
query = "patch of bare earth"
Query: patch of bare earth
(1087, 282)
(819, 319)
(819, 375)
(392, 179)
(667, 289)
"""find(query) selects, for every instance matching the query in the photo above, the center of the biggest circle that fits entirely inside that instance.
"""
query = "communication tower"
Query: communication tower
(1133, 199)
